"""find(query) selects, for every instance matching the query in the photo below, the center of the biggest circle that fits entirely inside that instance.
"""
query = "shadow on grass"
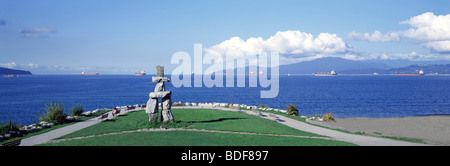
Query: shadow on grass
(109, 120)
(217, 120)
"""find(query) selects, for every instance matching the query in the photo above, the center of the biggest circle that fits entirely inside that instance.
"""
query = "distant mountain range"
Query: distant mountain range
(340, 65)
(344, 66)
(331, 63)
(428, 69)
(5, 71)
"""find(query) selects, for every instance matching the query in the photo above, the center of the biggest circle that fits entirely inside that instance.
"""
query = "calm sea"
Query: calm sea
(22, 98)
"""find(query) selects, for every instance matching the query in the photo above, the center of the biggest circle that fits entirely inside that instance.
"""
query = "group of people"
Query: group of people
(115, 112)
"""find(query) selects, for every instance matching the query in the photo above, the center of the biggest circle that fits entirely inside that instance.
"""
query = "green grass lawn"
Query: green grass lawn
(195, 119)
(192, 138)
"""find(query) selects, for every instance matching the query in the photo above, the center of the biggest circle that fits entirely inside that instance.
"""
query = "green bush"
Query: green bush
(76, 110)
(55, 113)
(9, 126)
(292, 110)
(262, 106)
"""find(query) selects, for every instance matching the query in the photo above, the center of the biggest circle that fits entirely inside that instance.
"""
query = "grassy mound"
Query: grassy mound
(194, 119)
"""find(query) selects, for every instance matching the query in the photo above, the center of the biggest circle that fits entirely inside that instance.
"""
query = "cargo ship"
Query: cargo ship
(410, 74)
(84, 73)
(142, 73)
(332, 73)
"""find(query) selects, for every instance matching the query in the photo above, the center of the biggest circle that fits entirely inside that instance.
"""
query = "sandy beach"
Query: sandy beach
(431, 129)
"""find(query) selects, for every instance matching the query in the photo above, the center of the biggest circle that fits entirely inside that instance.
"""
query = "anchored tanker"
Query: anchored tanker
(332, 73)
(142, 73)
(84, 73)
(410, 74)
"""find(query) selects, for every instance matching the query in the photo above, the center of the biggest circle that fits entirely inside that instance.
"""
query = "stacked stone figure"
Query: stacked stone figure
(160, 92)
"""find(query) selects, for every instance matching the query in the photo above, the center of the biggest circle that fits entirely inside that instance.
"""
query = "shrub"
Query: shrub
(316, 115)
(292, 110)
(262, 106)
(76, 110)
(9, 126)
(329, 117)
(55, 113)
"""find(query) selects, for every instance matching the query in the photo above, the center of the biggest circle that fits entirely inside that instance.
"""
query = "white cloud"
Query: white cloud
(439, 46)
(37, 32)
(292, 44)
(432, 31)
(10, 65)
(376, 36)
(33, 66)
(428, 26)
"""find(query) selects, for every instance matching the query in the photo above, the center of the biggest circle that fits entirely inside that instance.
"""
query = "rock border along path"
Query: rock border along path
(335, 135)
(48, 136)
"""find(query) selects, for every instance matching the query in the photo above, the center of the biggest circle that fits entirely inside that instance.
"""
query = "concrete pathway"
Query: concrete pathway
(46, 137)
(336, 135)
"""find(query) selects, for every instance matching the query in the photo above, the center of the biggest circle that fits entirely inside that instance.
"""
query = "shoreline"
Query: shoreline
(431, 129)
(285, 120)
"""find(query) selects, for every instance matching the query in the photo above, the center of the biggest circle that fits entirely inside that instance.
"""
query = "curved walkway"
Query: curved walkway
(336, 135)
(48, 136)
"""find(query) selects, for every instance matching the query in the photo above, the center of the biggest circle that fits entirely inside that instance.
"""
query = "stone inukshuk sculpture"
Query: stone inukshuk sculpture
(160, 92)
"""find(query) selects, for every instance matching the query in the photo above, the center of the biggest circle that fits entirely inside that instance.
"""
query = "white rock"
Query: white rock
(70, 118)
(87, 113)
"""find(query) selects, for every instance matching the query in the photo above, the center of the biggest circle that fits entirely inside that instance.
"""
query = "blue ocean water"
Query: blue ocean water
(23, 98)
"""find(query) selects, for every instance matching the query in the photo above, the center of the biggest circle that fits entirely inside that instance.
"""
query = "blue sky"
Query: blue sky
(122, 37)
